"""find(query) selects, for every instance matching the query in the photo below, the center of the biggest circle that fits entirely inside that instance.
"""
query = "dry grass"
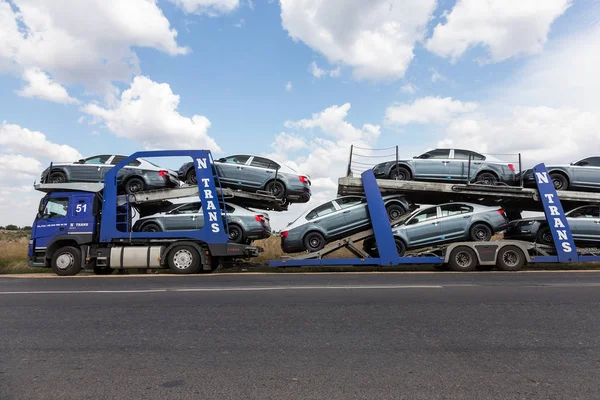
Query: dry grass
(272, 250)
(13, 253)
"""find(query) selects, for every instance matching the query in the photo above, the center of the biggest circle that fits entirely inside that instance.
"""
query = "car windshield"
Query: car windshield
(151, 163)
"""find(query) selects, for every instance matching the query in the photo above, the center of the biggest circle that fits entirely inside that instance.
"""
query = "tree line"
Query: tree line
(15, 228)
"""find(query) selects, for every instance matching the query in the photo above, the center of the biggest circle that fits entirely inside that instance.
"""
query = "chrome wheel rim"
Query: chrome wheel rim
(65, 261)
(183, 259)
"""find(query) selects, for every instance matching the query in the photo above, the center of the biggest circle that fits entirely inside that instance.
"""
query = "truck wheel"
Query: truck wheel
(66, 261)
(57, 177)
(510, 258)
(480, 232)
(184, 260)
(191, 177)
(314, 241)
(103, 270)
(134, 185)
(463, 258)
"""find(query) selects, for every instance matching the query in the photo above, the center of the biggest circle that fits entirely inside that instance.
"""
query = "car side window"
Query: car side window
(321, 211)
(263, 163)
(117, 159)
(426, 214)
(436, 154)
(589, 162)
(586, 212)
(449, 210)
(191, 208)
(346, 202)
(97, 159)
(239, 159)
(464, 155)
(55, 208)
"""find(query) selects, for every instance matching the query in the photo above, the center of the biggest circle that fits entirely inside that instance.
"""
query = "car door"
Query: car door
(257, 172)
(53, 220)
(183, 218)
(585, 223)
(455, 220)
(432, 165)
(91, 170)
(354, 209)
(230, 169)
(586, 172)
(330, 218)
(423, 228)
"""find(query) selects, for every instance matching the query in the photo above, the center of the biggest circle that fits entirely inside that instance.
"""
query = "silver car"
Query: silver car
(244, 224)
(449, 165)
(581, 174)
(137, 176)
(445, 223)
(255, 173)
(335, 219)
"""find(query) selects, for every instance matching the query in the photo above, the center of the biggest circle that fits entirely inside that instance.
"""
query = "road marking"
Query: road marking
(226, 289)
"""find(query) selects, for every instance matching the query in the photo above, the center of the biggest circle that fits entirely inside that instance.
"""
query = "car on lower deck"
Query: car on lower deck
(583, 221)
(244, 225)
(582, 174)
(253, 173)
(449, 165)
(137, 176)
(335, 219)
(444, 223)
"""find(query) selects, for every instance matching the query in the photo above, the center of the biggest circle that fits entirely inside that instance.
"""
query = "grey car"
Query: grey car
(445, 223)
(335, 219)
(584, 223)
(581, 174)
(138, 175)
(449, 165)
(255, 173)
(244, 224)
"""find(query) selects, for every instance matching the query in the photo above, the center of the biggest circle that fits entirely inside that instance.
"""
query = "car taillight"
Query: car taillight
(501, 212)
(303, 179)
(163, 173)
(260, 218)
(284, 234)
(512, 167)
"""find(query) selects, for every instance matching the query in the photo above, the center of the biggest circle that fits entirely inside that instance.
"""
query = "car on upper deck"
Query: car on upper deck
(449, 165)
(253, 173)
(137, 176)
(583, 174)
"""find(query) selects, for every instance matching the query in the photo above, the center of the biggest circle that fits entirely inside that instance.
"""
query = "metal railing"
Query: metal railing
(366, 156)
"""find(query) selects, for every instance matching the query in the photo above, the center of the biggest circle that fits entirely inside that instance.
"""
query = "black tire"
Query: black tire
(544, 236)
(314, 241)
(184, 260)
(510, 258)
(276, 188)
(370, 247)
(559, 181)
(480, 232)
(103, 270)
(191, 178)
(57, 177)
(151, 227)
(463, 259)
(66, 261)
(487, 178)
(400, 174)
(395, 211)
(134, 185)
(236, 234)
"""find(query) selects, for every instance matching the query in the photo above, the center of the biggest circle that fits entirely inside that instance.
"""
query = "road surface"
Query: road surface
(302, 336)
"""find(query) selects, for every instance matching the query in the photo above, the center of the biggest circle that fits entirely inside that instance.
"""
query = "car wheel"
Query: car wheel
(395, 211)
(236, 234)
(463, 258)
(480, 233)
(66, 261)
(103, 270)
(487, 178)
(134, 185)
(510, 258)
(152, 227)
(559, 181)
(544, 236)
(400, 174)
(184, 260)
(276, 188)
(191, 178)
(57, 177)
(314, 241)
(370, 247)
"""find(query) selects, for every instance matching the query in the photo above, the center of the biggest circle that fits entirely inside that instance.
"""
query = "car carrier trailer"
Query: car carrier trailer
(89, 226)
(507, 255)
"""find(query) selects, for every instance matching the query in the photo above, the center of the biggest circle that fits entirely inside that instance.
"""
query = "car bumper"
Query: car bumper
(292, 244)
(258, 233)
(301, 195)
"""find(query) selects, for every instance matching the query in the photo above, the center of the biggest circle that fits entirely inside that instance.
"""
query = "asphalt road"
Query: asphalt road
(302, 336)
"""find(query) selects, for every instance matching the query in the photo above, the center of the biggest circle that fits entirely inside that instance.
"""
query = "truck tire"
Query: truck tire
(184, 260)
(510, 258)
(66, 261)
(463, 259)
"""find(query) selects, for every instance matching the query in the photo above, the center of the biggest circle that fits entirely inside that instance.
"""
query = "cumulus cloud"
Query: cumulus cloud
(209, 7)
(288, 87)
(427, 110)
(41, 86)
(374, 37)
(409, 88)
(147, 113)
(288, 142)
(506, 28)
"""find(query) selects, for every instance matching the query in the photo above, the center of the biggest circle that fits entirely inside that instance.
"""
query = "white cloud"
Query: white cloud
(335, 73)
(147, 113)
(20, 166)
(288, 87)
(436, 76)
(427, 110)
(239, 24)
(288, 142)
(41, 86)
(506, 28)
(374, 37)
(409, 88)
(318, 72)
(209, 7)
(86, 41)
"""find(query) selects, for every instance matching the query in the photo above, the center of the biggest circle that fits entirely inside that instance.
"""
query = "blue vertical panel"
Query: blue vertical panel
(213, 220)
(555, 215)
(379, 218)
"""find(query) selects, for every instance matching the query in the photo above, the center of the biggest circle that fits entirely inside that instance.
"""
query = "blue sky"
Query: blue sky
(479, 77)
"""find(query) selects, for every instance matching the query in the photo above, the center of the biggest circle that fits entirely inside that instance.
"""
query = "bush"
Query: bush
(12, 228)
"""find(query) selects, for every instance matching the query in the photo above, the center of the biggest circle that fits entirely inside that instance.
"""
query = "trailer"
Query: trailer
(89, 226)
(507, 255)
